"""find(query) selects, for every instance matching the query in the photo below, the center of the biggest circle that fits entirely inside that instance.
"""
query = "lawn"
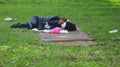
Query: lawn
(23, 48)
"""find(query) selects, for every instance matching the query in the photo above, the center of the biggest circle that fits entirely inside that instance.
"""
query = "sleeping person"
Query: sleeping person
(46, 22)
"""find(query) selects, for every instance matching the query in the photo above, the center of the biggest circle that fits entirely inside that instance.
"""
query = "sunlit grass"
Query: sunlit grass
(23, 48)
(115, 2)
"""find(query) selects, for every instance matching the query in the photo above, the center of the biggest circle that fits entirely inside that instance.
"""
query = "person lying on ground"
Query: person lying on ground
(46, 22)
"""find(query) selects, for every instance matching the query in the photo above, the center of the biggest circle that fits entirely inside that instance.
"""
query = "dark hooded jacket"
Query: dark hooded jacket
(52, 22)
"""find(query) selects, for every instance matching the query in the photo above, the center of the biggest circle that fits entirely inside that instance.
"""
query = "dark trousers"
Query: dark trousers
(26, 25)
(31, 23)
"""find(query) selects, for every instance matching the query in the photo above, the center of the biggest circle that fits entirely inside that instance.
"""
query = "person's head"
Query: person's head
(62, 20)
(70, 26)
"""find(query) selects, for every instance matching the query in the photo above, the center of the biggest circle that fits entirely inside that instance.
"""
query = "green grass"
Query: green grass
(22, 47)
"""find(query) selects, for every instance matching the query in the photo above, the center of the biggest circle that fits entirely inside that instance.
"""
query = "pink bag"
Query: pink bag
(55, 30)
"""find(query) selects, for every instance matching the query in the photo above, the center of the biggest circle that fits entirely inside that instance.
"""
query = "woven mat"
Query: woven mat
(73, 38)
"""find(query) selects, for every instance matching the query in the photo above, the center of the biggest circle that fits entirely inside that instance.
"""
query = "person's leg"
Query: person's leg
(31, 24)
(33, 20)
(26, 25)
(18, 25)
(36, 22)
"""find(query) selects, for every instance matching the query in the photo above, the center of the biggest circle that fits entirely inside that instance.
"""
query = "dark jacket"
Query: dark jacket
(52, 22)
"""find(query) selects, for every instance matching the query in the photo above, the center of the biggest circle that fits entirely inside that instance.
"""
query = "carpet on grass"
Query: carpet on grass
(77, 37)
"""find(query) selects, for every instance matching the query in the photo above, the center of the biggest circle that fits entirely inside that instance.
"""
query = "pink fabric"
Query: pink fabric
(55, 30)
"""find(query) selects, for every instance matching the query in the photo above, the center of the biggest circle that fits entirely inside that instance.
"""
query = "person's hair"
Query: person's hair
(64, 19)
(70, 26)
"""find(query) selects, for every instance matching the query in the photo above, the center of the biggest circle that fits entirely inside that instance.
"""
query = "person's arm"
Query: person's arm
(53, 18)
(53, 22)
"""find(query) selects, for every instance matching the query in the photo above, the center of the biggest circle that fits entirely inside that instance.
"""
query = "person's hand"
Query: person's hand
(60, 21)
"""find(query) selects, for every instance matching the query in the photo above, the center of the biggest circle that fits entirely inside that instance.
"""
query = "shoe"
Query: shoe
(15, 25)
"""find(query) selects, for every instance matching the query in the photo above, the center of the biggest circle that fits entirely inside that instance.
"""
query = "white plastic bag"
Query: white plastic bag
(8, 19)
(113, 31)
